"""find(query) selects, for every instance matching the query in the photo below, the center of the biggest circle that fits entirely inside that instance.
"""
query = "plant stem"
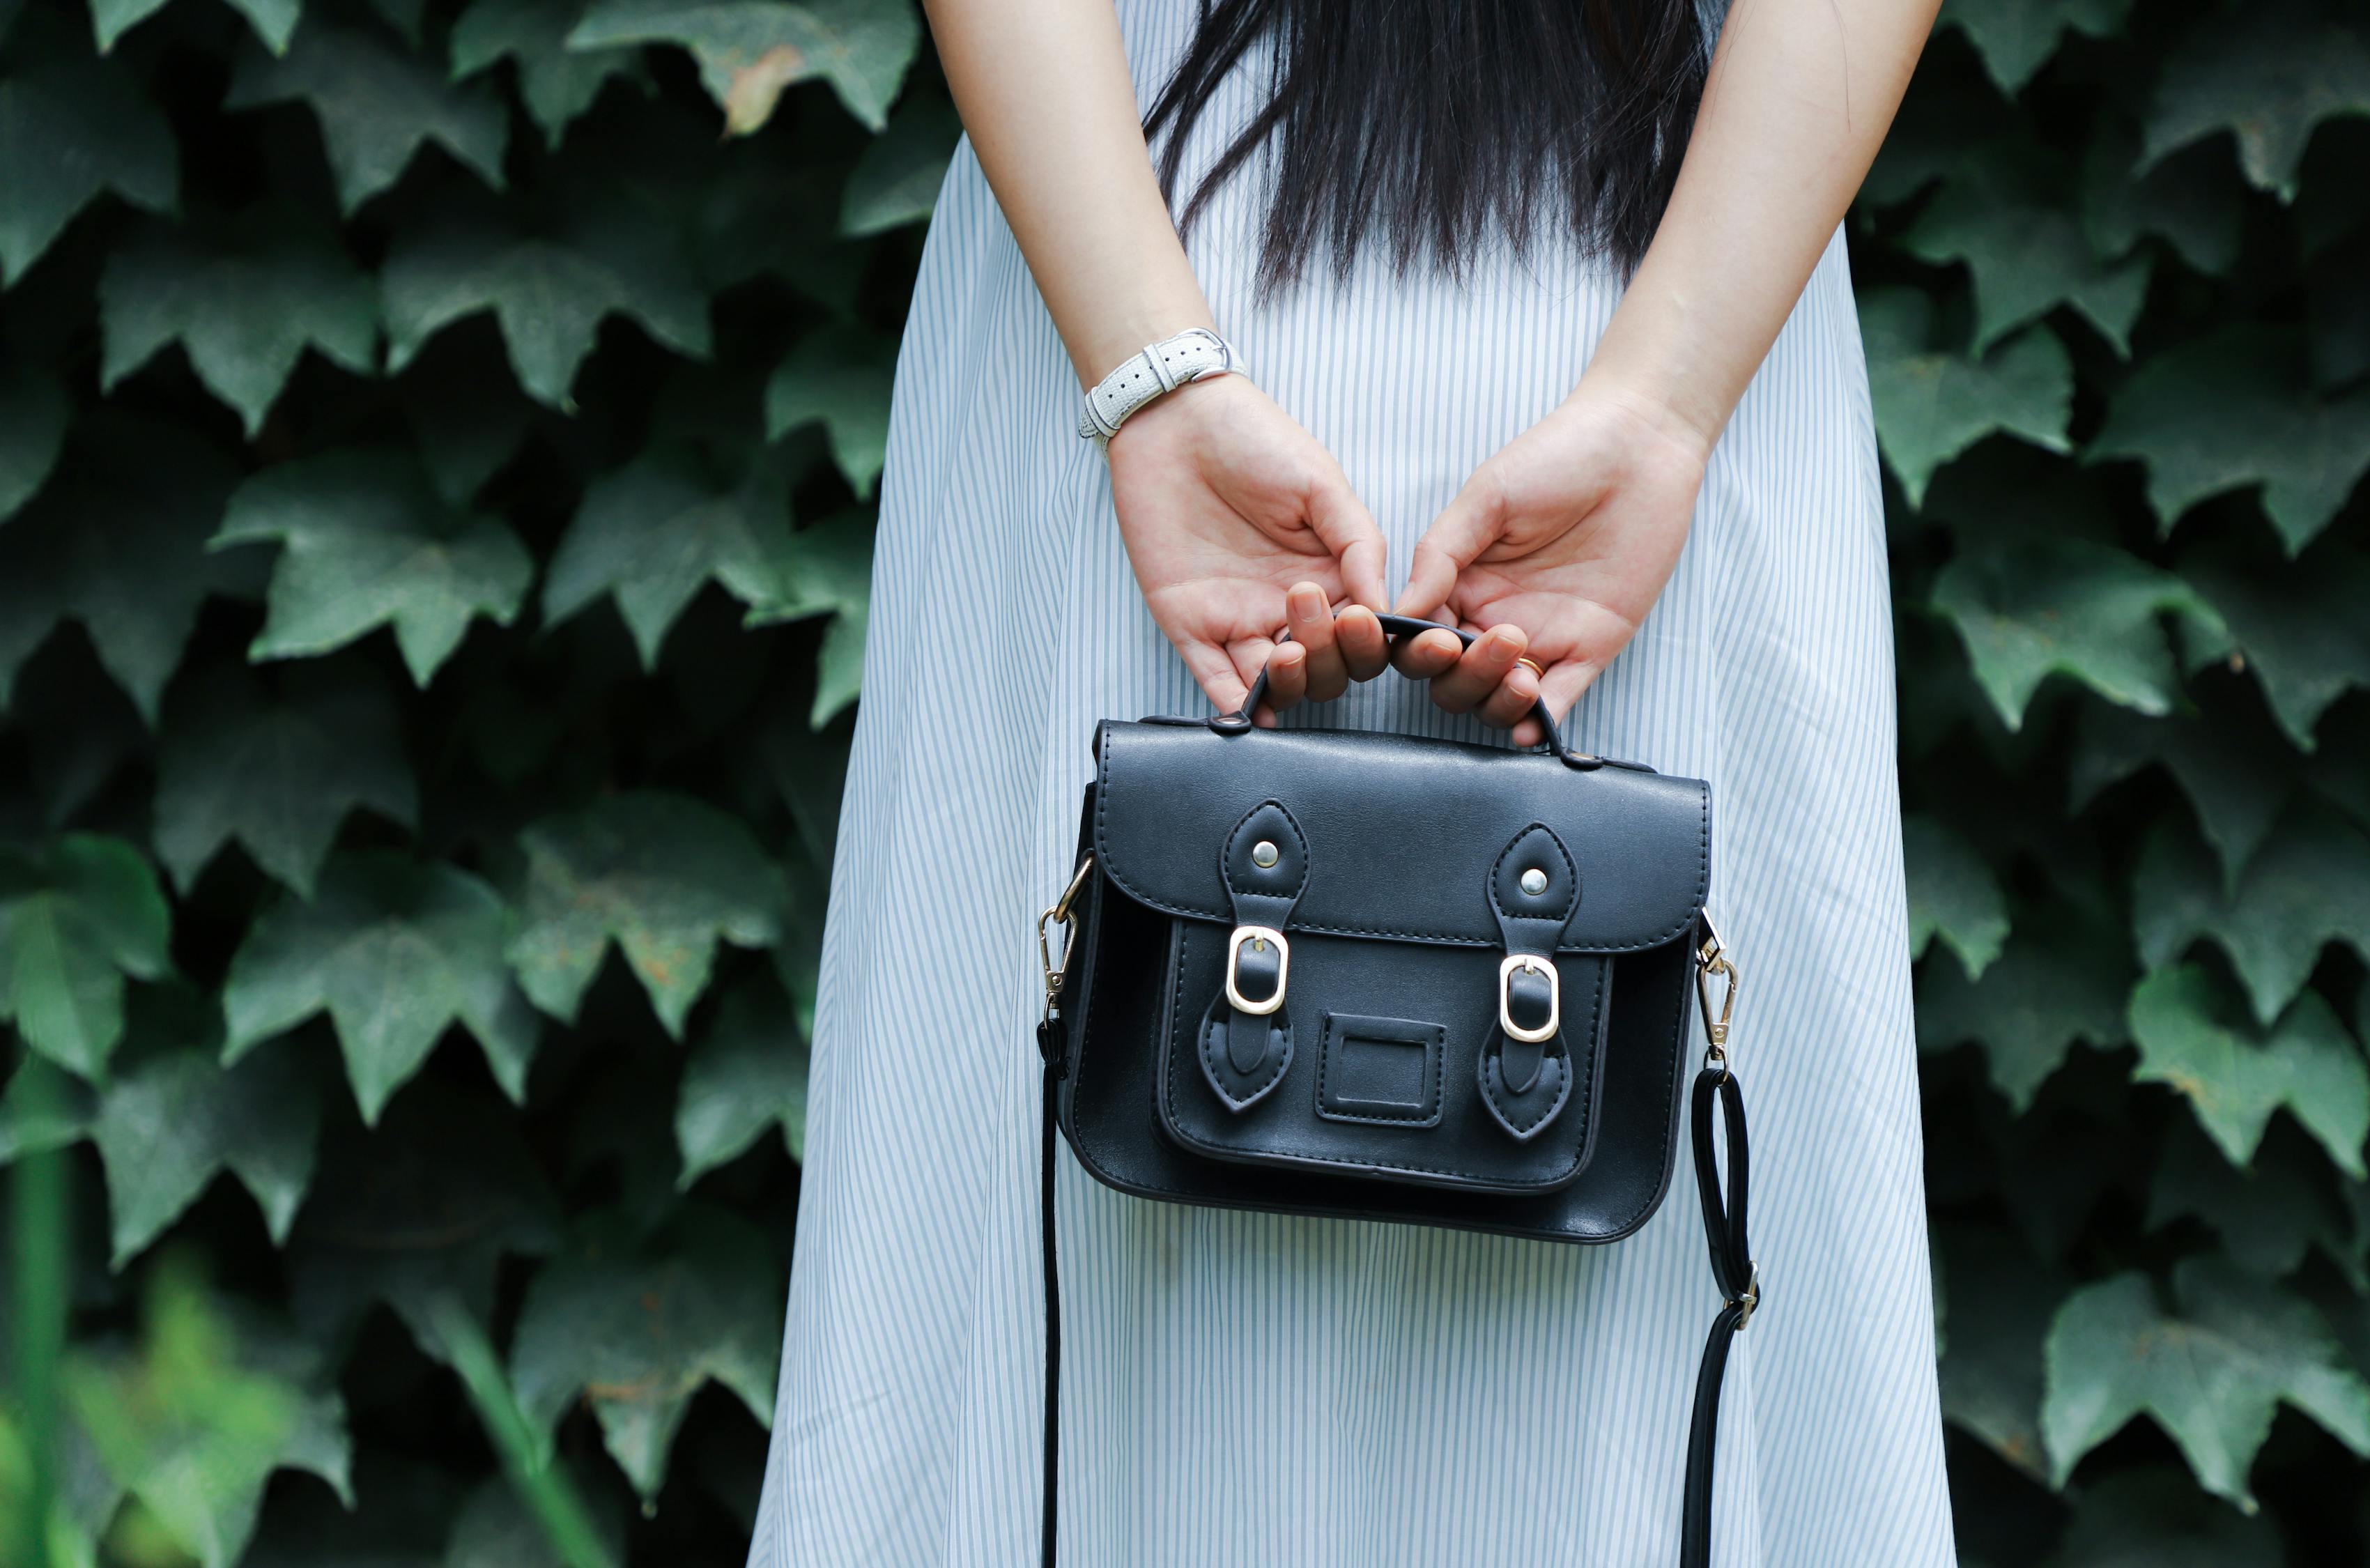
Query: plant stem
(525, 1453)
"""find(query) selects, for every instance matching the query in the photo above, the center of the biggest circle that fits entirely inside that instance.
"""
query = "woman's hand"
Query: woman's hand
(1558, 545)
(1236, 521)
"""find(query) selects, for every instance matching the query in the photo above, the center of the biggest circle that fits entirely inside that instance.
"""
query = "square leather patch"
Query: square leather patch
(1380, 1071)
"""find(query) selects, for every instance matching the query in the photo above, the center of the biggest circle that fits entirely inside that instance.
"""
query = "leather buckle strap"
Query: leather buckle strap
(1262, 940)
(1528, 966)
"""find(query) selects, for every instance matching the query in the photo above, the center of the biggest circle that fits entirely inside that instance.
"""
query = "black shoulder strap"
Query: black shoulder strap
(1731, 1267)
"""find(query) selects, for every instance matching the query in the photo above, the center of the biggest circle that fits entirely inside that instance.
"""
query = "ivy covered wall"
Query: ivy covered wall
(437, 444)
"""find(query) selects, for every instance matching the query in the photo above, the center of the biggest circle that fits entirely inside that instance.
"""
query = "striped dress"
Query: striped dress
(1243, 1389)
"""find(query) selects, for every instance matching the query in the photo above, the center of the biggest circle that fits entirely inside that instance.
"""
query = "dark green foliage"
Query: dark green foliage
(2146, 1105)
(437, 446)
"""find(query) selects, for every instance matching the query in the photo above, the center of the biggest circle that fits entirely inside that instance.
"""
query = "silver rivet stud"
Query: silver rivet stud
(1534, 882)
(1263, 854)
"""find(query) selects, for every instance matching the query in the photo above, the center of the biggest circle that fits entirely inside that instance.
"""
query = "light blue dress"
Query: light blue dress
(1242, 1390)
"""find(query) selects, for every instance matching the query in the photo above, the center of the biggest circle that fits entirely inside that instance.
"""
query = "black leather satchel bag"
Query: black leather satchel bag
(1382, 977)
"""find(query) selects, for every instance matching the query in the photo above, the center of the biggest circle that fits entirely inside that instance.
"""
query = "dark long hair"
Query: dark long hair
(1434, 126)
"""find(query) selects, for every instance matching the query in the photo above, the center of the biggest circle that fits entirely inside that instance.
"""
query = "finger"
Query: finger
(1288, 681)
(1510, 703)
(1245, 659)
(1427, 654)
(1466, 527)
(1214, 672)
(1342, 522)
(1482, 671)
(1561, 688)
(1364, 648)
(1312, 629)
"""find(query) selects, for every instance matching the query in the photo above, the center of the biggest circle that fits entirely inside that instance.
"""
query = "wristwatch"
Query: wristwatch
(1161, 367)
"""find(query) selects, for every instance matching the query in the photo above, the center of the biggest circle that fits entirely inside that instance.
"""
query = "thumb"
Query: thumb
(1467, 526)
(1340, 520)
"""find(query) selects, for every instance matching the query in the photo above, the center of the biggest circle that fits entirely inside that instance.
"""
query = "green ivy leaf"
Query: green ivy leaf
(496, 1529)
(2266, 78)
(2308, 886)
(2234, 411)
(637, 1331)
(2234, 766)
(2033, 605)
(419, 1211)
(2210, 1375)
(117, 542)
(2234, 1074)
(70, 128)
(174, 1119)
(2001, 1299)
(33, 412)
(2056, 981)
(829, 573)
(2003, 212)
(1953, 895)
(665, 876)
(395, 952)
(1931, 406)
(376, 104)
(367, 542)
(467, 419)
(747, 1073)
(278, 773)
(273, 20)
(2158, 1519)
(77, 917)
(840, 376)
(244, 312)
(43, 1108)
(2015, 38)
(558, 85)
(195, 1423)
(2300, 626)
(548, 294)
(2266, 1216)
(2193, 200)
(749, 50)
(895, 181)
(652, 534)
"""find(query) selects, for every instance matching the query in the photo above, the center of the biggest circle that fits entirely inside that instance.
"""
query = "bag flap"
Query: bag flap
(1402, 832)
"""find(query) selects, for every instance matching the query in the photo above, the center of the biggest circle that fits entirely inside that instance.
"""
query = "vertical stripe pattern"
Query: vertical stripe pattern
(1261, 1389)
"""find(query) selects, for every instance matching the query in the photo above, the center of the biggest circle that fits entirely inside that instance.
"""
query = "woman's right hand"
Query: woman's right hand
(1237, 523)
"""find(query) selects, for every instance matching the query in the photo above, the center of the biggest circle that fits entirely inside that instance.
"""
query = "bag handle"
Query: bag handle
(1400, 628)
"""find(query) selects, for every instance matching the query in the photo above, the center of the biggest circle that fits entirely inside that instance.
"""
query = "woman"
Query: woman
(1414, 221)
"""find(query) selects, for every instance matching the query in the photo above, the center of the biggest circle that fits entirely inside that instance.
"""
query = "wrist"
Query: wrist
(1659, 359)
(1121, 329)
(1154, 372)
(1653, 405)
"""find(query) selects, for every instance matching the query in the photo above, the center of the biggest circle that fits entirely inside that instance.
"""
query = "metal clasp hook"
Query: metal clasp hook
(1713, 962)
(1058, 915)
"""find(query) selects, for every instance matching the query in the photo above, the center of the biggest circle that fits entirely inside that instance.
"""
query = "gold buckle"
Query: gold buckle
(1058, 915)
(1262, 935)
(1750, 1300)
(1524, 961)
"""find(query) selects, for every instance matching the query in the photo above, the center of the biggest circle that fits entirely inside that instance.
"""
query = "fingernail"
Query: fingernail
(1306, 609)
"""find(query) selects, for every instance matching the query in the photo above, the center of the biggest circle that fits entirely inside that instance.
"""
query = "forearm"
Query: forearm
(1044, 92)
(1800, 97)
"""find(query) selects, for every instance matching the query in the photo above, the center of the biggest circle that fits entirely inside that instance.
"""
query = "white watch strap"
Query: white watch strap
(1162, 367)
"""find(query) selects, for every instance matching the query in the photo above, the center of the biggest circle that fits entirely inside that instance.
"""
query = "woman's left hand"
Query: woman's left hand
(1555, 548)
